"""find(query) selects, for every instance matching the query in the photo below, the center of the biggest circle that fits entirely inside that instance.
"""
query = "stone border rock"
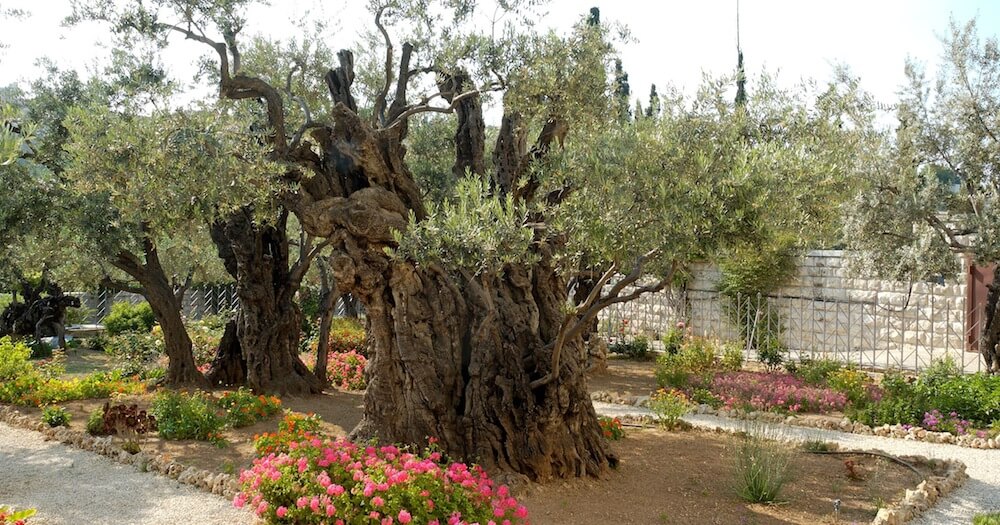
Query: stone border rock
(844, 425)
(218, 483)
(914, 503)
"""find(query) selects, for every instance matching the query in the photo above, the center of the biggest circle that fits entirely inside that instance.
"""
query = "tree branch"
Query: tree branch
(120, 286)
(378, 115)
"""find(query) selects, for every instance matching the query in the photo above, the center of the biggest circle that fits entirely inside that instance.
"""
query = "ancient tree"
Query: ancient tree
(934, 196)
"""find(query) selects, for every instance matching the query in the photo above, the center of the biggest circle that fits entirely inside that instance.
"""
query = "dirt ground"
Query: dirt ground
(625, 377)
(686, 478)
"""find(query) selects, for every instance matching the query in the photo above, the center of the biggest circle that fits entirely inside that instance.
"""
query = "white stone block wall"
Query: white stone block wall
(827, 312)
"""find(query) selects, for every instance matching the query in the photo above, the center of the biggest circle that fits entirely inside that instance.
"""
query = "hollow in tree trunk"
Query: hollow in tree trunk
(228, 368)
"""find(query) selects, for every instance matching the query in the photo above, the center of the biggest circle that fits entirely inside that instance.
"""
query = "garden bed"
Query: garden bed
(650, 487)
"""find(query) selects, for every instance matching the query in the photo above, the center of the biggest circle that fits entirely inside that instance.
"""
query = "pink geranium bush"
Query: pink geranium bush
(337, 482)
(774, 391)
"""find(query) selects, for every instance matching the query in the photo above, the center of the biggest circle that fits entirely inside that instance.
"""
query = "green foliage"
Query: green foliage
(992, 518)
(704, 396)
(477, 231)
(816, 445)
(761, 464)
(55, 416)
(14, 357)
(293, 428)
(15, 517)
(771, 352)
(927, 196)
(695, 358)
(611, 428)
(128, 317)
(244, 408)
(669, 406)
(816, 372)
(183, 416)
(637, 348)
(95, 422)
(673, 339)
(134, 352)
(732, 356)
(852, 383)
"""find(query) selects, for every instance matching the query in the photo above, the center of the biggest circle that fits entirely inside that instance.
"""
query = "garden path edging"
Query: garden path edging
(218, 483)
(844, 425)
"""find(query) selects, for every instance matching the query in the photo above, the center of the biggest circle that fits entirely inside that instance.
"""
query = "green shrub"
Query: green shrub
(41, 350)
(761, 464)
(673, 339)
(244, 408)
(817, 445)
(637, 348)
(771, 352)
(611, 428)
(815, 372)
(732, 357)
(671, 373)
(95, 422)
(55, 416)
(134, 353)
(669, 406)
(704, 396)
(852, 383)
(182, 416)
(14, 356)
(697, 354)
(126, 317)
(992, 518)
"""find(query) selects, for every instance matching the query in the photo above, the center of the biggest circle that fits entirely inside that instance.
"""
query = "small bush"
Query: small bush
(987, 519)
(55, 416)
(134, 353)
(732, 357)
(293, 428)
(183, 416)
(637, 348)
(243, 408)
(347, 370)
(120, 419)
(852, 383)
(611, 428)
(704, 396)
(9, 516)
(126, 317)
(671, 373)
(761, 465)
(673, 339)
(816, 445)
(815, 372)
(14, 358)
(697, 354)
(669, 406)
(771, 353)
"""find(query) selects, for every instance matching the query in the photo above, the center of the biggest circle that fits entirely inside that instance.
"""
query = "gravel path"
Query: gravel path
(981, 493)
(68, 485)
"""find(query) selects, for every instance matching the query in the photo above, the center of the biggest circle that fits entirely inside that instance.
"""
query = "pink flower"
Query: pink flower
(281, 512)
(378, 501)
(404, 516)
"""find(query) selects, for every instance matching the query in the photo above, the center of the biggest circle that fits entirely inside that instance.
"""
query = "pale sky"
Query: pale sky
(675, 42)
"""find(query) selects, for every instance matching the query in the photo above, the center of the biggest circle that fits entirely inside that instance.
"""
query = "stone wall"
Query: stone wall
(825, 312)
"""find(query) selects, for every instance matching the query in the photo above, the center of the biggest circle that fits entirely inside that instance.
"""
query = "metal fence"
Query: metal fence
(199, 301)
(882, 333)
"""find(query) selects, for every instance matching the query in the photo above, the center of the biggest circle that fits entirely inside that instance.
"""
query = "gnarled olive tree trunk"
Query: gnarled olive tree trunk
(268, 326)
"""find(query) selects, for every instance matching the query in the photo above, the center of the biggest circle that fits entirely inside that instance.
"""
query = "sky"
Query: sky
(673, 42)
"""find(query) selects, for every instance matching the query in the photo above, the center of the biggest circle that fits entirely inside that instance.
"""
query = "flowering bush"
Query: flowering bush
(953, 423)
(612, 428)
(33, 389)
(14, 357)
(243, 408)
(774, 391)
(347, 370)
(344, 338)
(338, 482)
(55, 416)
(293, 428)
(10, 517)
(669, 406)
